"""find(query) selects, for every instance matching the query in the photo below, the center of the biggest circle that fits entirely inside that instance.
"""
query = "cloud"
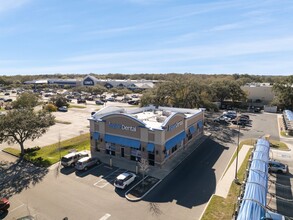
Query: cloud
(7, 5)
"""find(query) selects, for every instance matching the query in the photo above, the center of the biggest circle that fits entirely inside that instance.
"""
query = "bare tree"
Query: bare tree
(143, 167)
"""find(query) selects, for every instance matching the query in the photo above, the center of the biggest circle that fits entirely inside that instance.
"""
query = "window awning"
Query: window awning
(96, 135)
(200, 124)
(192, 129)
(150, 147)
(122, 141)
(175, 140)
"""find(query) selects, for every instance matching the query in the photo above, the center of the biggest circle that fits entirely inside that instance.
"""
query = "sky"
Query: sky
(146, 36)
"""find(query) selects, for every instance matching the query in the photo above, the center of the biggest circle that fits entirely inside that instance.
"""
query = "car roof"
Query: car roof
(72, 154)
(122, 176)
(83, 159)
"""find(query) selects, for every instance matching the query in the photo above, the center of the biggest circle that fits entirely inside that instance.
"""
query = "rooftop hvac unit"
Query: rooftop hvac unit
(167, 113)
(160, 119)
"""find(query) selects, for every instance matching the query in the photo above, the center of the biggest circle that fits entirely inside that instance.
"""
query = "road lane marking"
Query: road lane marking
(16, 208)
(105, 217)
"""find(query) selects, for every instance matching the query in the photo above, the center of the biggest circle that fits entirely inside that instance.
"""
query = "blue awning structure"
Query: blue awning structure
(150, 147)
(96, 135)
(200, 124)
(253, 202)
(175, 140)
(192, 129)
(122, 141)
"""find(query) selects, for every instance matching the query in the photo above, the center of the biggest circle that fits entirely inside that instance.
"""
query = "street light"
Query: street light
(236, 180)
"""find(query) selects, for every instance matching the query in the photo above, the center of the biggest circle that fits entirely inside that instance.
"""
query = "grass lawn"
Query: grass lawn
(221, 208)
(50, 154)
(76, 106)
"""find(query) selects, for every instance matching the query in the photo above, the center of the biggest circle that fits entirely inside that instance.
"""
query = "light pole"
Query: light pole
(237, 150)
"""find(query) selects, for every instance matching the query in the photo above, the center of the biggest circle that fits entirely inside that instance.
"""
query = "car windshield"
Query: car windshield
(65, 159)
(119, 182)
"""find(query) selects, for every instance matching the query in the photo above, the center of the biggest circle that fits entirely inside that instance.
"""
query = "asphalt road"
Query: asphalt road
(184, 193)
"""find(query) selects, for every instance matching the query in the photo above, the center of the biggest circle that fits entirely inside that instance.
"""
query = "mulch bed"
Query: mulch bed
(144, 186)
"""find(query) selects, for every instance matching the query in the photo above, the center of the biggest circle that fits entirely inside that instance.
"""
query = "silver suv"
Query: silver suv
(71, 158)
(278, 167)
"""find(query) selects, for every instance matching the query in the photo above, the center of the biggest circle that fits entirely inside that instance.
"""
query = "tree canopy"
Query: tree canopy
(26, 100)
(19, 125)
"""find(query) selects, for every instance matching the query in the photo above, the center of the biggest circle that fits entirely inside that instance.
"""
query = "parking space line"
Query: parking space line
(105, 217)
(106, 180)
(16, 208)
(88, 171)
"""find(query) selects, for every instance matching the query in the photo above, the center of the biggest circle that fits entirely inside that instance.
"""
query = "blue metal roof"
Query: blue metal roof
(122, 141)
(253, 202)
(289, 115)
(150, 147)
(175, 140)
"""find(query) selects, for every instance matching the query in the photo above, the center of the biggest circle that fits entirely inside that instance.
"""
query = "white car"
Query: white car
(71, 158)
(86, 162)
(124, 179)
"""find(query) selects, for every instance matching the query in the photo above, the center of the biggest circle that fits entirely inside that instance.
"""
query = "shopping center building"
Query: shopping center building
(153, 133)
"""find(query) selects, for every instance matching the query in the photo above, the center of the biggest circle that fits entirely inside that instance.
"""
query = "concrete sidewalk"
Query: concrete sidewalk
(223, 186)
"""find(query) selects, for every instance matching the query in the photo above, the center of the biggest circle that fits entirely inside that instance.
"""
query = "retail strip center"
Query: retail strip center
(153, 133)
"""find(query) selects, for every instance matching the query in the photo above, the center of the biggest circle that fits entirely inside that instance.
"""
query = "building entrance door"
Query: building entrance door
(122, 152)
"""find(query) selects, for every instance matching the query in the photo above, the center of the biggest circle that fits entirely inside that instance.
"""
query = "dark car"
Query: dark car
(99, 102)
(7, 100)
(7, 93)
(4, 204)
(81, 101)
(133, 102)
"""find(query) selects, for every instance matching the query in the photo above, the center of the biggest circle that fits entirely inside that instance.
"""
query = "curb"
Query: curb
(139, 198)
(205, 208)
(9, 153)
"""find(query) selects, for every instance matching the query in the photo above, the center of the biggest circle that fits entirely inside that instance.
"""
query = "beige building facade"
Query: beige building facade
(259, 93)
(153, 133)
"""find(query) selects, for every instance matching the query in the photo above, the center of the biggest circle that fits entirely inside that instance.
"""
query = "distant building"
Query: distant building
(153, 133)
(259, 94)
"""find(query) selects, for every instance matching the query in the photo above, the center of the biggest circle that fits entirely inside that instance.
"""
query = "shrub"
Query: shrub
(51, 108)
(29, 150)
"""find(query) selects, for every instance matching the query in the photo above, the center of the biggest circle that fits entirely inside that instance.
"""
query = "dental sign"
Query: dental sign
(88, 81)
(122, 127)
(175, 125)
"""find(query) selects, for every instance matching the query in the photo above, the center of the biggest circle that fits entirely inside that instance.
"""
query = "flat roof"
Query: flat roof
(152, 117)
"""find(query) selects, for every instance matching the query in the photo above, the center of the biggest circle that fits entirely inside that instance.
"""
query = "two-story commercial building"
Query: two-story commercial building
(153, 133)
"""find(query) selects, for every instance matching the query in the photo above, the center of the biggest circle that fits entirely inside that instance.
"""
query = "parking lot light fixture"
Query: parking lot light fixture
(236, 180)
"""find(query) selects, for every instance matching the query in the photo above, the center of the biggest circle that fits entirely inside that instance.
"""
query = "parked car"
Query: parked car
(7, 93)
(133, 102)
(277, 167)
(99, 102)
(81, 101)
(110, 99)
(7, 100)
(222, 119)
(86, 162)
(71, 158)
(4, 204)
(124, 179)
(63, 109)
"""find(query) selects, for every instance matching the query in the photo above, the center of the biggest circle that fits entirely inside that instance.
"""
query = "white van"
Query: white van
(71, 158)
(86, 162)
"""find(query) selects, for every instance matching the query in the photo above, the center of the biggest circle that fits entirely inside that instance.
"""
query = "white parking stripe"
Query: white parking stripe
(105, 217)
(16, 208)
(107, 182)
